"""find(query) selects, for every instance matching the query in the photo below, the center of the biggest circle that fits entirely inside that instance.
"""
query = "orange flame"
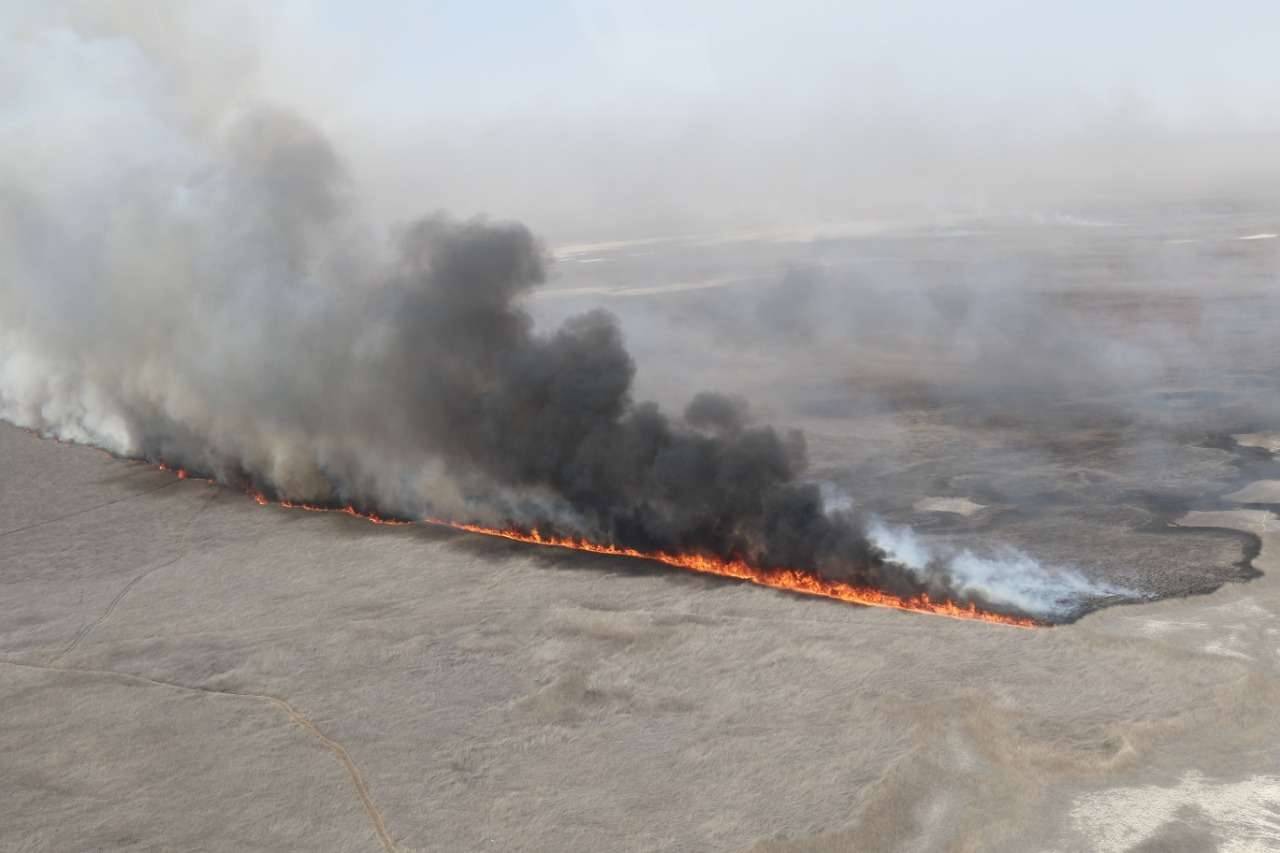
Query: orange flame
(371, 517)
(789, 580)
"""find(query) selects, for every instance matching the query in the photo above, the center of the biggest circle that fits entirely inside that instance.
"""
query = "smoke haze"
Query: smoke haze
(198, 291)
(199, 275)
(977, 301)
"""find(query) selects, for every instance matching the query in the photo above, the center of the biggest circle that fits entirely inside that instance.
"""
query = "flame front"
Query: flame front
(790, 580)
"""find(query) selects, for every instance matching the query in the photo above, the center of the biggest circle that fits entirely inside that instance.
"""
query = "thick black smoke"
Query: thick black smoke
(242, 326)
(194, 282)
(555, 413)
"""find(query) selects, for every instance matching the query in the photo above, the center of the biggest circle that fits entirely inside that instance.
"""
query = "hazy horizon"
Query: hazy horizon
(693, 360)
(598, 121)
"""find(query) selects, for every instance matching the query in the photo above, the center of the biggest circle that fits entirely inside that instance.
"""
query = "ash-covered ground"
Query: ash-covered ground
(1088, 399)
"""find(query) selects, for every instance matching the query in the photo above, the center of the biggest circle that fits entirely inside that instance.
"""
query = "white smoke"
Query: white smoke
(1006, 576)
(35, 395)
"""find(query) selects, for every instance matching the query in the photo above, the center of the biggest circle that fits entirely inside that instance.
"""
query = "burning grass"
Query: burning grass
(797, 581)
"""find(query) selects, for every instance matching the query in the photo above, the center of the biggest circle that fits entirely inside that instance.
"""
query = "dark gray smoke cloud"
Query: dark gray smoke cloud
(554, 413)
(209, 298)
(194, 280)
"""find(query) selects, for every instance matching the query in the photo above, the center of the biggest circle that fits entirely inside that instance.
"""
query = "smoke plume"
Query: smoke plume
(282, 364)
(1007, 577)
(193, 282)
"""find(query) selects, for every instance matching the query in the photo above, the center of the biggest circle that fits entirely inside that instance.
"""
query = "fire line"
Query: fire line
(789, 580)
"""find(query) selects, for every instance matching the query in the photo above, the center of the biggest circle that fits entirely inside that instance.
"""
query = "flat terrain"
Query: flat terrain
(183, 669)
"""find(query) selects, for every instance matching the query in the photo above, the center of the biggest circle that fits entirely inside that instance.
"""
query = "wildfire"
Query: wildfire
(371, 517)
(181, 473)
(789, 580)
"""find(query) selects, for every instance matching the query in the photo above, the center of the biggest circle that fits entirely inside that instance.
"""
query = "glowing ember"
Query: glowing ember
(790, 580)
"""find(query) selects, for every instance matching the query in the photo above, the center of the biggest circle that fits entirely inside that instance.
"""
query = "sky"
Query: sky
(601, 119)
(1183, 60)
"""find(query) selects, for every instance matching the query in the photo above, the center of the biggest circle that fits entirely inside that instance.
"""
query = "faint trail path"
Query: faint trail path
(121, 499)
(295, 716)
(362, 789)
(89, 627)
